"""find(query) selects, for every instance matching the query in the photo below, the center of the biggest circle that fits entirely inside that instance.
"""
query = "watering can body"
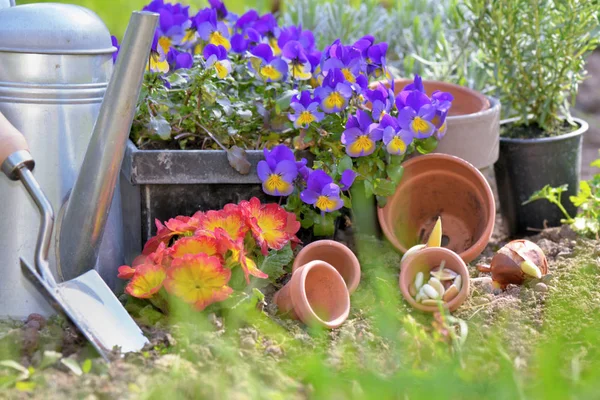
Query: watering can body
(54, 70)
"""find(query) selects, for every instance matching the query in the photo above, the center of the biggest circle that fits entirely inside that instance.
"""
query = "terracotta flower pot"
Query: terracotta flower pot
(473, 123)
(316, 295)
(424, 261)
(435, 185)
(334, 253)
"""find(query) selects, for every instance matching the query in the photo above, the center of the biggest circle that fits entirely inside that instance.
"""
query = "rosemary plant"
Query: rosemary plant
(534, 53)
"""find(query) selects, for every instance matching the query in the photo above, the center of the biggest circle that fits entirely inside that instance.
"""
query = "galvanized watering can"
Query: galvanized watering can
(55, 66)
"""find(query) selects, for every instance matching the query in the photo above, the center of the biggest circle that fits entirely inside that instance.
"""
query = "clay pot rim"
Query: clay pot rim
(467, 255)
(343, 248)
(481, 98)
(300, 277)
(464, 273)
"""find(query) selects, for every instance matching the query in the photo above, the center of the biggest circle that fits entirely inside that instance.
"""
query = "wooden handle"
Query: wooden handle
(11, 139)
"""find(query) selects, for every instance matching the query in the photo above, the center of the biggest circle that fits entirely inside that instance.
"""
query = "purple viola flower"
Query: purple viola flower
(268, 29)
(296, 34)
(246, 20)
(376, 60)
(303, 170)
(216, 56)
(314, 58)
(278, 171)
(381, 99)
(442, 102)
(417, 114)
(347, 179)
(417, 84)
(395, 139)
(295, 56)
(220, 8)
(334, 92)
(345, 58)
(322, 192)
(266, 66)
(247, 39)
(361, 135)
(306, 110)
(173, 22)
(178, 60)
(210, 29)
(115, 42)
(158, 59)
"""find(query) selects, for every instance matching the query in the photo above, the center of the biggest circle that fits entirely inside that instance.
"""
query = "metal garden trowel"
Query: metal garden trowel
(86, 300)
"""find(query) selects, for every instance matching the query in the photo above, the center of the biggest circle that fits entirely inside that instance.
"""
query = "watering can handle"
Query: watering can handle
(11, 142)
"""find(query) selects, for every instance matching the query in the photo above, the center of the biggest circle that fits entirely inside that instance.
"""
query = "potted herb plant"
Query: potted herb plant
(535, 55)
(236, 106)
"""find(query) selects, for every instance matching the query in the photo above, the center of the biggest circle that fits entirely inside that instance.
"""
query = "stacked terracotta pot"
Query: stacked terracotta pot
(324, 275)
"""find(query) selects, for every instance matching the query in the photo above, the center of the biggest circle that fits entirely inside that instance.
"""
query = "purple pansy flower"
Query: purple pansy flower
(178, 59)
(299, 65)
(173, 22)
(395, 139)
(296, 34)
(334, 92)
(416, 116)
(158, 59)
(278, 171)
(115, 43)
(417, 84)
(442, 102)
(210, 29)
(322, 192)
(376, 60)
(247, 39)
(381, 99)
(216, 56)
(220, 8)
(347, 179)
(303, 170)
(345, 58)
(306, 110)
(267, 67)
(361, 135)
(246, 20)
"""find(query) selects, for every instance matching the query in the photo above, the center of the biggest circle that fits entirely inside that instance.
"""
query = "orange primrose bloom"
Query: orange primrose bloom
(179, 226)
(147, 280)
(230, 219)
(195, 245)
(239, 256)
(199, 280)
(125, 272)
(271, 225)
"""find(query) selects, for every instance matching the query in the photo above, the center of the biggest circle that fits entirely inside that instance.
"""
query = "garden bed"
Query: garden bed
(525, 341)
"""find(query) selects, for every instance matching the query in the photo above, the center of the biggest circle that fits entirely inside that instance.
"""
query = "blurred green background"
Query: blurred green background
(115, 13)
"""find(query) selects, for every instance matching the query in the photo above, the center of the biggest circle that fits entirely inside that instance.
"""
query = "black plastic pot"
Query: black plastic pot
(527, 165)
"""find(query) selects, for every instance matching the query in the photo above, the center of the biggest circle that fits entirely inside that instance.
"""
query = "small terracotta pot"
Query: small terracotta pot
(424, 261)
(473, 122)
(435, 185)
(316, 295)
(336, 254)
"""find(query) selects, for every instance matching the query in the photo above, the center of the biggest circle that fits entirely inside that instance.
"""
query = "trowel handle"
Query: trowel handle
(14, 151)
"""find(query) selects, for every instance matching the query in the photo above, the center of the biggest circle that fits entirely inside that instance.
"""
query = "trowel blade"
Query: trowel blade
(95, 310)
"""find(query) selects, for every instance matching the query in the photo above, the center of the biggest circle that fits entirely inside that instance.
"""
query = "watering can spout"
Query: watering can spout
(86, 213)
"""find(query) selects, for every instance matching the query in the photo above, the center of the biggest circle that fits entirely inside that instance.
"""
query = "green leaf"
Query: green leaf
(595, 163)
(49, 358)
(384, 187)
(283, 101)
(347, 200)
(549, 193)
(25, 386)
(149, 315)
(395, 173)
(324, 225)
(86, 367)
(344, 164)
(426, 146)
(274, 264)
(24, 372)
(585, 192)
(369, 190)
(72, 365)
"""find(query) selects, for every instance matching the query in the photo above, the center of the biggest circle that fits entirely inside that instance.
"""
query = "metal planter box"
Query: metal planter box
(162, 184)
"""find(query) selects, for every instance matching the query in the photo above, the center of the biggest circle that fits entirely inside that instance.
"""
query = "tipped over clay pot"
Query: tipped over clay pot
(316, 295)
(473, 122)
(424, 261)
(439, 185)
(336, 254)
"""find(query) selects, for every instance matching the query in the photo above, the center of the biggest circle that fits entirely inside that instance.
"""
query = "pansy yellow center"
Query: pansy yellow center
(198, 48)
(305, 118)
(325, 203)
(190, 35)
(165, 43)
(270, 72)
(221, 70)
(348, 75)
(275, 46)
(298, 72)
(334, 100)
(442, 128)
(397, 145)
(276, 183)
(363, 143)
(219, 40)
(155, 63)
(420, 125)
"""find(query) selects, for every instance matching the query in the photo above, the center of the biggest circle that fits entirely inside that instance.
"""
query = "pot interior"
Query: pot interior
(326, 293)
(447, 191)
(339, 259)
